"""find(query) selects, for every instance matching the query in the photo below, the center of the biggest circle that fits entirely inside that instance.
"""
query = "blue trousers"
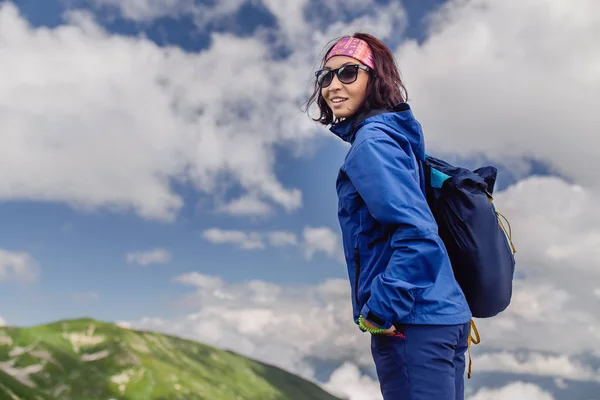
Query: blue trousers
(427, 364)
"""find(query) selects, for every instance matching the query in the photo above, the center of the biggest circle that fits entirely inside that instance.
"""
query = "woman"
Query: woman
(403, 288)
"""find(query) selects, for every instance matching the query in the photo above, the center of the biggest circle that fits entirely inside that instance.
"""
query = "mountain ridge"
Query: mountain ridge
(89, 359)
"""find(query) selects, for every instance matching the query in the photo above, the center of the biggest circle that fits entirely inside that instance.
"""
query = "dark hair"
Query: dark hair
(384, 88)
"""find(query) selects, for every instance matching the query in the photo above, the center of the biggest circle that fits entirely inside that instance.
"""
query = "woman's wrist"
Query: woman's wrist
(362, 325)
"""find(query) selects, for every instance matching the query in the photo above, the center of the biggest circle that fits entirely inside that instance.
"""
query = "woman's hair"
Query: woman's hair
(384, 89)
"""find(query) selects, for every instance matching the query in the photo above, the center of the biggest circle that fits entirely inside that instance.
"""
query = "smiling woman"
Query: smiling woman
(403, 289)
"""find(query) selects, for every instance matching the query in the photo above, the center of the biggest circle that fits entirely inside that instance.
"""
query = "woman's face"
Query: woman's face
(345, 99)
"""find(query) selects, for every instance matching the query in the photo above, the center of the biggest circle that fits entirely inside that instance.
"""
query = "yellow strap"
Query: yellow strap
(509, 232)
(474, 340)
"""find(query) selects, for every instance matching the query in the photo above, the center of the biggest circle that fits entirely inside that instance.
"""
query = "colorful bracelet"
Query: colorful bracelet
(374, 331)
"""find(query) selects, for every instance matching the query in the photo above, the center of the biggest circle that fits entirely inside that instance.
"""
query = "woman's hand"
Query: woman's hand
(388, 332)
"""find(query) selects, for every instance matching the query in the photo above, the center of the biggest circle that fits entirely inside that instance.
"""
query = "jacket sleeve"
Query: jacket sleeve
(385, 177)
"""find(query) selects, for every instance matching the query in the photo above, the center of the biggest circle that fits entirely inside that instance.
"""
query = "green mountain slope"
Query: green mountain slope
(92, 360)
(12, 389)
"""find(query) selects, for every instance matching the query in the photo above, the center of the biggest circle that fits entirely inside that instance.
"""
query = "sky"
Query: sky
(159, 172)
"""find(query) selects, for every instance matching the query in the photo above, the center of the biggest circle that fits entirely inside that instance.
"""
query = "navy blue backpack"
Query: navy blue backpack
(480, 247)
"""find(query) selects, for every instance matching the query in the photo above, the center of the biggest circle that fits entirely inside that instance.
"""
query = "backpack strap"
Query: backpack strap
(507, 232)
(474, 340)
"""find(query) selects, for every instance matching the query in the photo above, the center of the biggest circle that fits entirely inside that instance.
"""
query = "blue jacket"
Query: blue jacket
(398, 266)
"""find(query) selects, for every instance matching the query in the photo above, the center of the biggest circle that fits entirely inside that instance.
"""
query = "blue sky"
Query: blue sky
(172, 131)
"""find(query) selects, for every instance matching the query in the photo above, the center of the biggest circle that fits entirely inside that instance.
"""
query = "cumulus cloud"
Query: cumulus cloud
(154, 256)
(193, 127)
(147, 10)
(250, 240)
(270, 322)
(560, 366)
(143, 10)
(290, 15)
(557, 292)
(245, 206)
(245, 240)
(2, 322)
(113, 122)
(280, 238)
(514, 391)
(208, 284)
(511, 78)
(557, 223)
(323, 240)
(108, 121)
(18, 266)
(313, 240)
(349, 383)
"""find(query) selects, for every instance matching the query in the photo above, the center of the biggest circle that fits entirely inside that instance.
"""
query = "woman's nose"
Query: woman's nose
(335, 84)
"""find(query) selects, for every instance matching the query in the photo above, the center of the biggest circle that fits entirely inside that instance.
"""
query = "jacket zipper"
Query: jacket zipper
(356, 275)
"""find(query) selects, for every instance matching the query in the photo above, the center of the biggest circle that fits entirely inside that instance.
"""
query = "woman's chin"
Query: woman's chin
(340, 114)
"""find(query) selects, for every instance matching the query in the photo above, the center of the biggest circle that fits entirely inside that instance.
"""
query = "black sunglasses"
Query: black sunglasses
(346, 74)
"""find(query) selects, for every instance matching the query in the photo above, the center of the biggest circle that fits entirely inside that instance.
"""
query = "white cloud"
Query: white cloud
(18, 266)
(557, 292)
(147, 10)
(514, 391)
(557, 223)
(489, 59)
(560, 366)
(270, 322)
(322, 239)
(108, 121)
(348, 382)
(245, 206)
(314, 240)
(511, 78)
(142, 10)
(3, 322)
(282, 238)
(154, 256)
(245, 240)
(250, 240)
(208, 284)
(290, 15)
(560, 383)
(204, 14)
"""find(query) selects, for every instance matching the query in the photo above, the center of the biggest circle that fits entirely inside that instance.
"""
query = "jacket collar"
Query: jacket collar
(347, 128)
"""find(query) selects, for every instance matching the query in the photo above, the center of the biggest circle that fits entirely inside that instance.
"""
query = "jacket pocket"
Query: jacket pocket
(356, 276)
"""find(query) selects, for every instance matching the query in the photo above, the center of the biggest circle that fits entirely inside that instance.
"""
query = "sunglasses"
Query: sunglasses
(345, 74)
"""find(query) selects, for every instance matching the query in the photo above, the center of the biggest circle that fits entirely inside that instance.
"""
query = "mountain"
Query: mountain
(86, 359)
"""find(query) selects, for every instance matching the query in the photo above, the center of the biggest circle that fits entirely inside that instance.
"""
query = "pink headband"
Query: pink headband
(355, 48)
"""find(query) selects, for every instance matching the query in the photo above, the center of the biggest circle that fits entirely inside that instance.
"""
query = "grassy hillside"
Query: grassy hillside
(12, 389)
(91, 360)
